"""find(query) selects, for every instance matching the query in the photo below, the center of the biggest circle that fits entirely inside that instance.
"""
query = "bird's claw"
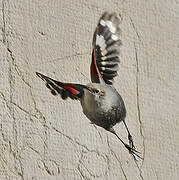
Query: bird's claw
(133, 152)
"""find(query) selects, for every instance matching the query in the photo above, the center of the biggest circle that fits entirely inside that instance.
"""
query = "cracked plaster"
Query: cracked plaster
(42, 137)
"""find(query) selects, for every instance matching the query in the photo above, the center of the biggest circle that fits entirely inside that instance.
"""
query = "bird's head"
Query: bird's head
(96, 89)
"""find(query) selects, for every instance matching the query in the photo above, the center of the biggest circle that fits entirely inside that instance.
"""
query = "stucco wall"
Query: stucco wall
(44, 137)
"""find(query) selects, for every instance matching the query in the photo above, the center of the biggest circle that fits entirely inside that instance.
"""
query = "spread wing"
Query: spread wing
(105, 54)
(74, 91)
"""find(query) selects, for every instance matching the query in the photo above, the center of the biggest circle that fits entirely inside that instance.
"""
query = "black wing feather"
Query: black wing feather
(106, 44)
(64, 89)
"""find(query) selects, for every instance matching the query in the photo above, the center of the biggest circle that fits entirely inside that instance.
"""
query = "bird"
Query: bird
(100, 101)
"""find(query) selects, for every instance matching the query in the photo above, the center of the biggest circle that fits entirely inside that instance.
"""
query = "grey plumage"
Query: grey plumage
(105, 107)
(100, 101)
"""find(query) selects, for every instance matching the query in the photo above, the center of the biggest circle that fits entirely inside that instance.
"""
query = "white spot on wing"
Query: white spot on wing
(104, 52)
(111, 26)
(104, 58)
(114, 37)
(102, 22)
(103, 63)
(100, 42)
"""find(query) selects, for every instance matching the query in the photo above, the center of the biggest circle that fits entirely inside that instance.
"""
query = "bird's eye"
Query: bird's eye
(96, 90)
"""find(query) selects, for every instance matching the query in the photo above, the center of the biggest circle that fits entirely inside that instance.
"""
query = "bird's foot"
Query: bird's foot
(131, 142)
(133, 152)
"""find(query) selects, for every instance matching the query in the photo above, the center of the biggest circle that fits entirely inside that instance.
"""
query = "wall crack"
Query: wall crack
(73, 140)
(138, 106)
(4, 22)
(114, 154)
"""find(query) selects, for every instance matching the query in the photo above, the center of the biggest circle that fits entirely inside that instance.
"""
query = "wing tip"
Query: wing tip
(111, 16)
(39, 75)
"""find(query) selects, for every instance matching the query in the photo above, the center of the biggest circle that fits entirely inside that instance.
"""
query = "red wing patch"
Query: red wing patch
(95, 74)
(106, 43)
(72, 90)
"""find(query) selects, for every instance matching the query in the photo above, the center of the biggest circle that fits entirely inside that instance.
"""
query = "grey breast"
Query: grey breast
(105, 111)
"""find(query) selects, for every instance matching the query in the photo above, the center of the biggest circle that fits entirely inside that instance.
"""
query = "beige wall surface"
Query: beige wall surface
(45, 138)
